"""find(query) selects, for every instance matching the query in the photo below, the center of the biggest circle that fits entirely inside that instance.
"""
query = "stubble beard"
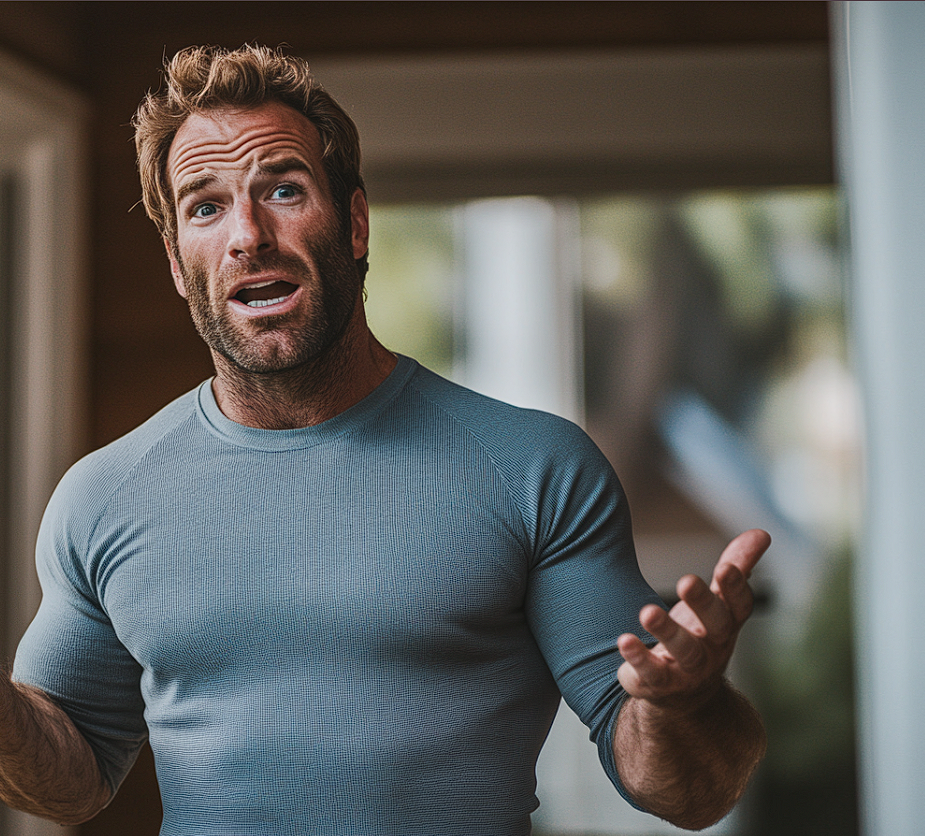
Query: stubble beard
(267, 345)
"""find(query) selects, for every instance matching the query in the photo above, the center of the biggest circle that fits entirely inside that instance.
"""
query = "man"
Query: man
(339, 594)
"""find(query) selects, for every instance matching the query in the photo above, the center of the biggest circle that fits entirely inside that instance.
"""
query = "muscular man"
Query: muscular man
(339, 594)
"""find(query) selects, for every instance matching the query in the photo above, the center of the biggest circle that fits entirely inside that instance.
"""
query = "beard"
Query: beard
(277, 343)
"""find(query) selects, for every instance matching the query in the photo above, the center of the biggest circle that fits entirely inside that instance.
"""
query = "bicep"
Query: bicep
(585, 590)
(71, 653)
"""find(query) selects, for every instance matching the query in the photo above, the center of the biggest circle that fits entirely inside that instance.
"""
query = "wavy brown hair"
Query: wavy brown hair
(203, 78)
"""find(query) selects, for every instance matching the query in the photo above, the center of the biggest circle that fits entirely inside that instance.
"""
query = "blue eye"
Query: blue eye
(285, 191)
(205, 210)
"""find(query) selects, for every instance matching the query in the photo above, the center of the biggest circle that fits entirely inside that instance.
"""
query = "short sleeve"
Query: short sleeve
(71, 652)
(585, 587)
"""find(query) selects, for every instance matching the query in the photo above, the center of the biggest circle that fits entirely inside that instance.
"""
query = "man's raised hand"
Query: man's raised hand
(697, 636)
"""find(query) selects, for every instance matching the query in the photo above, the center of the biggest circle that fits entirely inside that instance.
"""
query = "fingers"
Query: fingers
(745, 551)
(714, 617)
(696, 639)
(730, 585)
(679, 643)
(735, 565)
(643, 674)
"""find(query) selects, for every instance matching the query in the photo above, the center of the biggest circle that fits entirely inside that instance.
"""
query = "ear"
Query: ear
(359, 224)
(175, 270)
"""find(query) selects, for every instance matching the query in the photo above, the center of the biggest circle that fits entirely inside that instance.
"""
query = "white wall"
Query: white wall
(880, 81)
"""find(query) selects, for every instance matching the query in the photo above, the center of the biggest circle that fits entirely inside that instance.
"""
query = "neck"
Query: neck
(307, 394)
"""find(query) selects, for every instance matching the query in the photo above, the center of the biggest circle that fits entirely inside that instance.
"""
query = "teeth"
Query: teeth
(262, 303)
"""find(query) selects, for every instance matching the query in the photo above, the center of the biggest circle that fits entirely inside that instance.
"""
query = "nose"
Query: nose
(252, 231)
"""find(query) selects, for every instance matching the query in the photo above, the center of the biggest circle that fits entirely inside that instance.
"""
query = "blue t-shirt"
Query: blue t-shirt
(360, 627)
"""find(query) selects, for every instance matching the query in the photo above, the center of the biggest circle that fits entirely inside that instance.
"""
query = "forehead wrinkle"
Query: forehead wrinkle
(203, 158)
(220, 140)
(247, 138)
(203, 155)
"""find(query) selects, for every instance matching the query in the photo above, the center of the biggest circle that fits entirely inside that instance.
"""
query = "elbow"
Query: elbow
(699, 808)
(73, 818)
(700, 818)
(66, 810)
(79, 813)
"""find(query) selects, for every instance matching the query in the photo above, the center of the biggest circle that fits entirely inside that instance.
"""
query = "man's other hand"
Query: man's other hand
(697, 636)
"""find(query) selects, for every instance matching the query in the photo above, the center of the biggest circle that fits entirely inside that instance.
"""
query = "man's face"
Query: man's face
(261, 257)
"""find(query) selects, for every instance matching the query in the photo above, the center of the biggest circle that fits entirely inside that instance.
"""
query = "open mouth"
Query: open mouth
(265, 294)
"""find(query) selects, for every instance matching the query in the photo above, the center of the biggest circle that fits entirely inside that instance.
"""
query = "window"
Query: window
(700, 339)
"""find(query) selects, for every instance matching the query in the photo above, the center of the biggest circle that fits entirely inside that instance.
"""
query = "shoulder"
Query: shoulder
(563, 487)
(96, 475)
(86, 491)
(549, 464)
(507, 430)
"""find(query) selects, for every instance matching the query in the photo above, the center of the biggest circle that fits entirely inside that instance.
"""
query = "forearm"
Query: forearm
(46, 766)
(689, 766)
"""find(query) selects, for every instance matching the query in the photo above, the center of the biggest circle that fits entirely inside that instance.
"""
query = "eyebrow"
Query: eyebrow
(272, 168)
(283, 165)
(192, 186)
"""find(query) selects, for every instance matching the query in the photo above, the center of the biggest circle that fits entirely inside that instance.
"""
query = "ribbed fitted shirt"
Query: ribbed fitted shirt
(359, 628)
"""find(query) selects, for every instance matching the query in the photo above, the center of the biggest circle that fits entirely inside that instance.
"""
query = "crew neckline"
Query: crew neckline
(241, 435)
